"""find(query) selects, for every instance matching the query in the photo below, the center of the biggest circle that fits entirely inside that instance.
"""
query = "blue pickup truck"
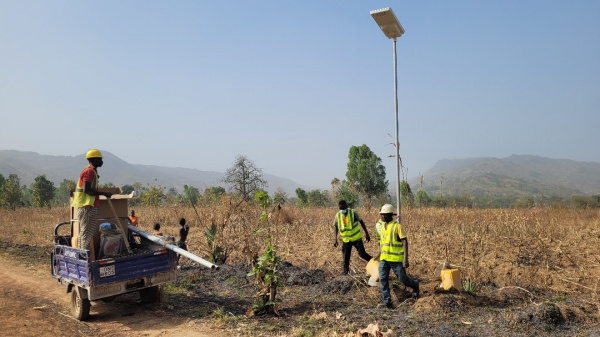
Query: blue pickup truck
(144, 269)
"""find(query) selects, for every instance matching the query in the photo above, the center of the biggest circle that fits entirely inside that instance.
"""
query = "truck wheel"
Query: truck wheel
(80, 306)
(151, 295)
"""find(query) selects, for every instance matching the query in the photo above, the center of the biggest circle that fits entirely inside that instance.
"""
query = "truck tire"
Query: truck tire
(80, 306)
(151, 295)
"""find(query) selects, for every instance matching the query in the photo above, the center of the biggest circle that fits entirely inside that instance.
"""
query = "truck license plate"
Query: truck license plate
(107, 271)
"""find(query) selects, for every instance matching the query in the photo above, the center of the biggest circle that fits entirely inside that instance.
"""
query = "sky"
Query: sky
(293, 85)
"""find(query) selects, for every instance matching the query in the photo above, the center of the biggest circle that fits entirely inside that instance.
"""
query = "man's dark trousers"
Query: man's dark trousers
(347, 250)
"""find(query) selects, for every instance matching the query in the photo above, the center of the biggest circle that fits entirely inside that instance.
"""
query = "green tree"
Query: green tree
(422, 199)
(126, 189)
(301, 198)
(152, 196)
(408, 198)
(190, 194)
(214, 193)
(266, 269)
(280, 197)
(11, 193)
(107, 185)
(316, 198)
(171, 196)
(365, 172)
(348, 193)
(244, 177)
(42, 191)
(63, 192)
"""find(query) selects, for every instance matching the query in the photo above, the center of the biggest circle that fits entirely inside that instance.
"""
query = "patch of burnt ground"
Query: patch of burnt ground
(314, 303)
(318, 303)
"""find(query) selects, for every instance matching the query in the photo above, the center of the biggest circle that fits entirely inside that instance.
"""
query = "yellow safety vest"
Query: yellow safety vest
(350, 230)
(392, 250)
(82, 199)
(378, 227)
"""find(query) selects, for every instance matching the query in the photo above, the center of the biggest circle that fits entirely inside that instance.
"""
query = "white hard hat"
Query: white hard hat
(387, 209)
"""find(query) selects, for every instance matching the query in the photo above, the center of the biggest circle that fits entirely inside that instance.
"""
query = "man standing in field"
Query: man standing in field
(394, 254)
(346, 223)
(183, 233)
(87, 198)
(134, 219)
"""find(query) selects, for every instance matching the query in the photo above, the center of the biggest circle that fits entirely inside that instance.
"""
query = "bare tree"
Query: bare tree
(244, 177)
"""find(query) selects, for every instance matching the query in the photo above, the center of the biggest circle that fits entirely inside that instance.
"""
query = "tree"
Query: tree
(408, 198)
(335, 186)
(171, 196)
(348, 193)
(244, 177)
(214, 193)
(190, 194)
(152, 195)
(11, 192)
(365, 172)
(422, 199)
(42, 191)
(137, 188)
(316, 198)
(301, 198)
(280, 197)
(63, 192)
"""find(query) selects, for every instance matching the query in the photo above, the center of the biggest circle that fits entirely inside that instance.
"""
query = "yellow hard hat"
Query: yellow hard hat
(387, 209)
(93, 153)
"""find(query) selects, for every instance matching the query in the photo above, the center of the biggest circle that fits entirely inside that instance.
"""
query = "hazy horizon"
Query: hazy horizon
(292, 86)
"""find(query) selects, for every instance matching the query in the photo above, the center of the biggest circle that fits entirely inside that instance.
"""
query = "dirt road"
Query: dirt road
(32, 303)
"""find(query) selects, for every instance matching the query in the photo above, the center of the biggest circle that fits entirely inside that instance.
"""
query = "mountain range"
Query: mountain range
(28, 165)
(514, 176)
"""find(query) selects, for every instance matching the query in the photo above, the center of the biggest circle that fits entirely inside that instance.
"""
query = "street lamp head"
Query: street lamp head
(387, 21)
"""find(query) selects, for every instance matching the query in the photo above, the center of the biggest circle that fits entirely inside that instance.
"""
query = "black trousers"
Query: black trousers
(347, 250)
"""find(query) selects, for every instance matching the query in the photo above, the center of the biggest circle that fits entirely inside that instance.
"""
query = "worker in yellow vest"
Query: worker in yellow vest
(87, 198)
(393, 255)
(346, 223)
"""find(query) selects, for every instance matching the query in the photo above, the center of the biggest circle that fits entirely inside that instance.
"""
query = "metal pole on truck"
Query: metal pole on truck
(174, 248)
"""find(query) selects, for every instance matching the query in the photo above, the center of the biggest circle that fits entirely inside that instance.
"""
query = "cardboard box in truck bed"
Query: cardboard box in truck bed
(105, 214)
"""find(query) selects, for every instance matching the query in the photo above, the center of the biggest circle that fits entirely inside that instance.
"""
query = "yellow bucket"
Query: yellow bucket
(451, 279)
(373, 269)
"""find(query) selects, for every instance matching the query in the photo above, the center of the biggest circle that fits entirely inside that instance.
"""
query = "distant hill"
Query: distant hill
(514, 176)
(517, 176)
(28, 165)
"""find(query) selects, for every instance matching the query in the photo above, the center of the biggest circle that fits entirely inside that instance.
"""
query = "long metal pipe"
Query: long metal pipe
(398, 194)
(174, 248)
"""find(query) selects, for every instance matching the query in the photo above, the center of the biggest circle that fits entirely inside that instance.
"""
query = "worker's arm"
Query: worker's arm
(335, 232)
(364, 227)
(89, 190)
(405, 245)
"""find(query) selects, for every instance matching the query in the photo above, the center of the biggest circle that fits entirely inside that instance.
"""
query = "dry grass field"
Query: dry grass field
(541, 254)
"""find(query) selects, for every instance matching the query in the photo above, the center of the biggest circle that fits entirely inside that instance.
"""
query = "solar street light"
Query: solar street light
(391, 27)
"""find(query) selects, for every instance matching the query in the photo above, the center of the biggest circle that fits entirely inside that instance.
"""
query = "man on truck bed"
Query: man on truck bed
(87, 198)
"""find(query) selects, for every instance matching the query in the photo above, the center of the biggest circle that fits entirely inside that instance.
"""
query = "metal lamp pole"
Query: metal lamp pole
(398, 195)
(391, 27)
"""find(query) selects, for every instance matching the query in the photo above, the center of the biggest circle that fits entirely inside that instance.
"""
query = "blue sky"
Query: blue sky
(293, 85)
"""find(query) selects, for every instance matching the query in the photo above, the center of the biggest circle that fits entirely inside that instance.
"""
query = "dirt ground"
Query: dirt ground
(313, 303)
(32, 303)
